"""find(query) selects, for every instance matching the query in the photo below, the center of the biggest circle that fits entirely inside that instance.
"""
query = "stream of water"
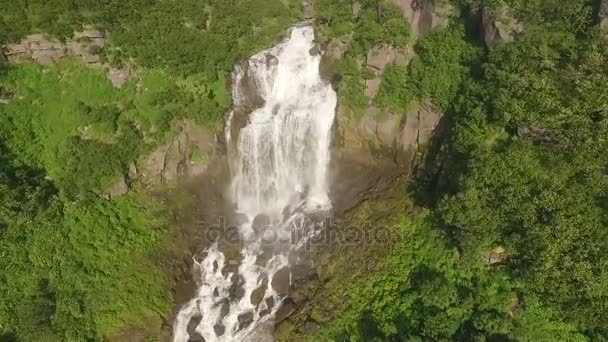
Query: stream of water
(279, 167)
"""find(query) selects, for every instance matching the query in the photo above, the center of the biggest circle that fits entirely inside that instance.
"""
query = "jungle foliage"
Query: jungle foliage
(76, 266)
(523, 168)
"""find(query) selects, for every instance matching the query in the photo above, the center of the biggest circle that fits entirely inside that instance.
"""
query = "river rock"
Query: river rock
(245, 319)
(191, 329)
(280, 281)
(261, 222)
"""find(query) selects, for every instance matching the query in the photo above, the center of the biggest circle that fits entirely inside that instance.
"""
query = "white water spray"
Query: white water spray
(279, 166)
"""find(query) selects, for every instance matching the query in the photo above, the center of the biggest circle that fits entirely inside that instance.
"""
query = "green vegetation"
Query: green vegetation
(75, 265)
(441, 63)
(378, 22)
(523, 169)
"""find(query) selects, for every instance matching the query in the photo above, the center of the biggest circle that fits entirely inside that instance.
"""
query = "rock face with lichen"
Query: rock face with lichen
(188, 153)
(84, 46)
(374, 150)
(499, 26)
(425, 15)
(42, 49)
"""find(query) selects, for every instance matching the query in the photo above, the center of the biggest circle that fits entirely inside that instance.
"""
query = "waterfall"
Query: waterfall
(279, 166)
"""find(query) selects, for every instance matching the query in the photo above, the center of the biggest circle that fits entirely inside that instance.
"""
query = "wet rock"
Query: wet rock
(288, 307)
(219, 329)
(245, 319)
(263, 332)
(261, 222)
(315, 50)
(236, 290)
(280, 281)
(270, 303)
(499, 26)
(301, 273)
(191, 329)
(225, 307)
(257, 296)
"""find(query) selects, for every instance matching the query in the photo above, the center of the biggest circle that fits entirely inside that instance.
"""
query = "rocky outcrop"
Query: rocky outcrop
(374, 150)
(377, 60)
(42, 49)
(189, 153)
(499, 26)
(84, 46)
(425, 15)
(603, 13)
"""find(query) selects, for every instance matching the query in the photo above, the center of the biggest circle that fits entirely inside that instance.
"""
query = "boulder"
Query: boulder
(356, 8)
(497, 255)
(118, 76)
(118, 189)
(499, 26)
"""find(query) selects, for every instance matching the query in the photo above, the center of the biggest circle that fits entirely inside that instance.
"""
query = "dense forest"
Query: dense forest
(75, 265)
(522, 168)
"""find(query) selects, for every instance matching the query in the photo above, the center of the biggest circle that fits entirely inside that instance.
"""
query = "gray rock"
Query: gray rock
(603, 13)
(315, 50)
(245, 319)
(191, 329)
(118, 189)
(425, 15)
(499, 26)
(388, 128)
(118, 76)
(356, 8)
(372, 86)
(280, 282)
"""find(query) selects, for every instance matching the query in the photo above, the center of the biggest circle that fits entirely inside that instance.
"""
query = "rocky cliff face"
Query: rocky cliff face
(84, 46)
(374, 150)
(425, 15)
(191, 153)
(45, 50)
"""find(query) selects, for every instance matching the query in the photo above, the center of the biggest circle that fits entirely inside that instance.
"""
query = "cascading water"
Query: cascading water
(279, 163)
